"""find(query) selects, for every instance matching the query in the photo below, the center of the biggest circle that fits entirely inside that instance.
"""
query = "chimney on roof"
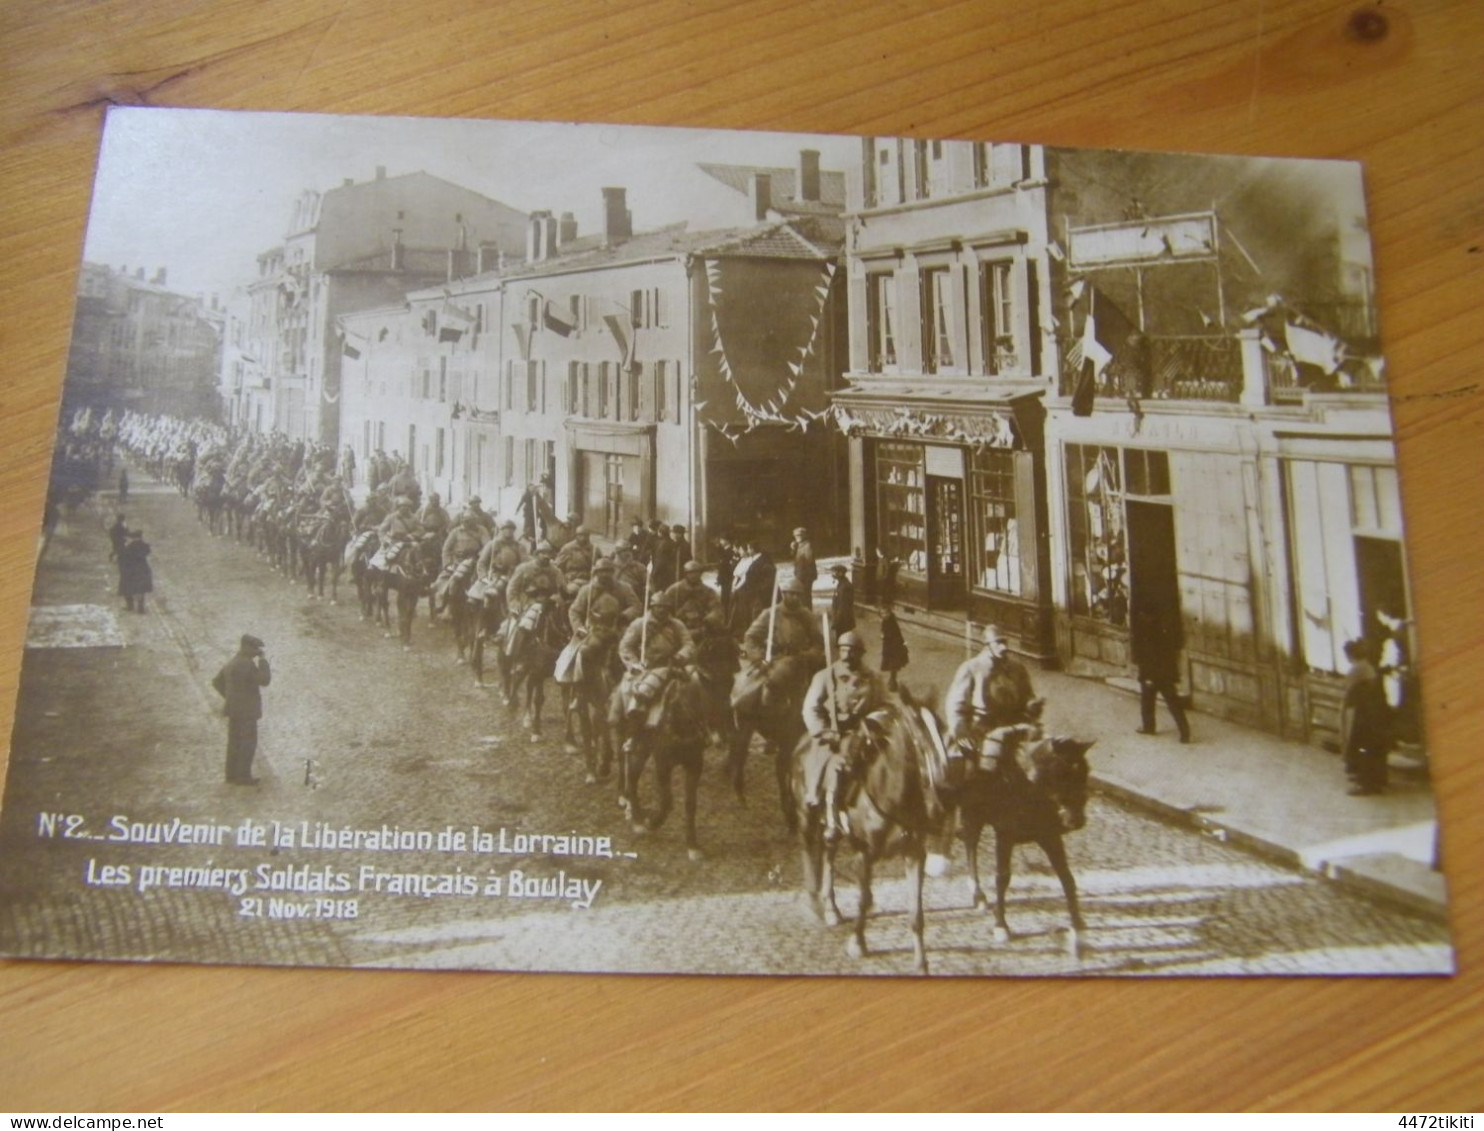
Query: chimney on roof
(159, 279)
(566, 229)
(139, 273)
(488, 257)
(618, 222)
(347, 182)
(760, 191)
(381, 172)
(541, 233)
(808, 180)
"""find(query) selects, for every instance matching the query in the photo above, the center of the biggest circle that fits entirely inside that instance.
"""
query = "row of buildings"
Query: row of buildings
(137, 344)
(1039, 380)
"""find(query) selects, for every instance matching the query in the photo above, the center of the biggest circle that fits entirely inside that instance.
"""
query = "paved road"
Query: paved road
(361, 736)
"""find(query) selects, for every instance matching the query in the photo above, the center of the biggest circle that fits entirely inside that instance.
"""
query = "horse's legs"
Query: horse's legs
(829, 908)
(783, 759)
(406, 613)
(1004, 849)
(972, 829)
(664, 767)
(737, 757)
(535, 701)
(857, 943)
(1056, 852)
(691, 768)
(916, 867)
(636, 754)
(476, 656)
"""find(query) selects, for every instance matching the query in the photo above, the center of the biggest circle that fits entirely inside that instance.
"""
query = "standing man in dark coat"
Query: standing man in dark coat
(1154, 638)
(1365, 723)
(118, 534)
(726, 562)
(842, 601)
(240, 683)
(805, 571)
(640, 540)
(136, 579)
(682, 549)
(661, 557)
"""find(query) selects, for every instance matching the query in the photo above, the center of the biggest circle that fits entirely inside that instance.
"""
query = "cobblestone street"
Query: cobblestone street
(360, 734)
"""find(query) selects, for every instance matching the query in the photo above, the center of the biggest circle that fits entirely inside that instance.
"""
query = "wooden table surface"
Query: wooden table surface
(1396, 84)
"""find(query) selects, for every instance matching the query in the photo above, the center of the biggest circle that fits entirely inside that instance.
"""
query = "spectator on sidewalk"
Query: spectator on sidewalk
(1154, 638)
(842, 601)
(136, 579)
(805, 571)
(1365, 723)
(118, 534)
(893, 647)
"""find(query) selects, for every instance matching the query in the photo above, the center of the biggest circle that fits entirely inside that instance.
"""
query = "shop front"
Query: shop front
(948, 500)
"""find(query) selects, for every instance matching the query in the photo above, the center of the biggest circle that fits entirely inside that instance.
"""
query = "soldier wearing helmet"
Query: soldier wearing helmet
(839, 698)
(653, 649)
(989, 691)
(798, 645)
(575, 559)
(602, 609)
(531, 585)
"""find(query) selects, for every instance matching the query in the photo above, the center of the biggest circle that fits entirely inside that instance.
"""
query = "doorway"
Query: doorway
(1154, 582)
(945, 543)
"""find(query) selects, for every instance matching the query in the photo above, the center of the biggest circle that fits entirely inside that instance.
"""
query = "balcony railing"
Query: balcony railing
(1223, 368)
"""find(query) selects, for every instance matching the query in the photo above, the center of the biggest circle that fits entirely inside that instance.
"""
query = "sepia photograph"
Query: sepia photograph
(516, 546)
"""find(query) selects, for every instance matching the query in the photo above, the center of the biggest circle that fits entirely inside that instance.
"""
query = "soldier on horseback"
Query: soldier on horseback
(989, 691)
(797, 646)
(462, 545)
(371, 513)
(601, 611)
(835, 707)
(499, 557)
(699, 608)
(652, 649)
(475, 507)
(628, 568)
(434, 518)
(531, 584)
(575, 560)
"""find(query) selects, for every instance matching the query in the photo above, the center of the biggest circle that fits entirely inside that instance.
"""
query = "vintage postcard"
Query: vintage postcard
(521, 546)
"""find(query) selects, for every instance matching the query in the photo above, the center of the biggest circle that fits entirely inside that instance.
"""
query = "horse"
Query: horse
(209, 499)
(780, 723)
(451, 592)
(587, 690)
(409, 572)
(887, 806)
(322, 540)
(1037, 793)
(488, 600)
(676, 739)
(358, 557)
(527, 667)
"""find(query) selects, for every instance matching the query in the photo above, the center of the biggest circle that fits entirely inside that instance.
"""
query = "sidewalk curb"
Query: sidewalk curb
(1374, 887)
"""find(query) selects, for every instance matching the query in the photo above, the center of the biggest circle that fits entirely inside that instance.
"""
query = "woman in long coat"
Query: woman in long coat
(135, 577)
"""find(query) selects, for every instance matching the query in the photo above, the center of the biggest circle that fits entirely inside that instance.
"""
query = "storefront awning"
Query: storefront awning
(1002, 415)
